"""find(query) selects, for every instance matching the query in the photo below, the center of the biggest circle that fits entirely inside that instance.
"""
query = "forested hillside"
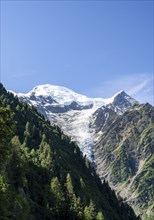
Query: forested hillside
(43, 175)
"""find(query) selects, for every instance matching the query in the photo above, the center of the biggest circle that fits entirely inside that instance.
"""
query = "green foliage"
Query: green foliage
(6, 127)
(89, 211)
(99, 216)
(82, 183)
(122, 167)
(144, 181)
(17, 164)
(57, 197)
(75, 206)
(21, 208)
(149, 218)
(45, 155)
(3, 197)
(69, 185)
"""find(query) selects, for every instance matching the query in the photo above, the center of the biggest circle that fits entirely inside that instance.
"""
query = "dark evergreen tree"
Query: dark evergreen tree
(58, 199)
(89, 211)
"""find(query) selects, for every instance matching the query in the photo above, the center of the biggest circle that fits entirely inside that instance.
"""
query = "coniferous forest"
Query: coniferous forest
(43, 174)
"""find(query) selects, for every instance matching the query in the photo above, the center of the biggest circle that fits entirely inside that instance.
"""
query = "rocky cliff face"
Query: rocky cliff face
(124, 156)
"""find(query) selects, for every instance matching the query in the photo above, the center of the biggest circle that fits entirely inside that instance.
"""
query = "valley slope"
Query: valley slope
(125, 157)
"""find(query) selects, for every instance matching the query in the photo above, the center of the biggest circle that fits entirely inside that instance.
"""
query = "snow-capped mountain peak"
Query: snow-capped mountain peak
(75, 113)
(60, 94)
(64, 96)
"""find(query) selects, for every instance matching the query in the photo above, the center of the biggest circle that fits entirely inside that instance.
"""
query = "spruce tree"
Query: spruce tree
(58, 197)
(99, 216)
(75, 206)
(89, 211)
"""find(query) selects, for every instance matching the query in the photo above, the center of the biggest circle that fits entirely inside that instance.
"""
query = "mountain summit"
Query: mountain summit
(75, 113)
(64, 96)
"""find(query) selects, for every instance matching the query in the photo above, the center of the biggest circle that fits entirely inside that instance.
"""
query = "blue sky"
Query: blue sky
(93, 47)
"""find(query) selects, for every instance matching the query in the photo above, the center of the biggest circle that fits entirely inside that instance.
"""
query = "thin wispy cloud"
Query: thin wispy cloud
(18, 75)
(23, 74)
(139, 86)
(134, 90)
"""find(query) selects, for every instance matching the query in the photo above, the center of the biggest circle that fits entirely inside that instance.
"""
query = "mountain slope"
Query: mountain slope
(73, 112)
(90, 122)
(44, 175)
(125, 157)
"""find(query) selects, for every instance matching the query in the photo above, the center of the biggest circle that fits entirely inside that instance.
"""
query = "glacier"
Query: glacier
(73, 112)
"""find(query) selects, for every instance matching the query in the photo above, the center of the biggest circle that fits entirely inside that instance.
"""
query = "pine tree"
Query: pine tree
(17, 163)
(45, 155)
(99, 216)
(3, 197)
(27, 134)
(58, 196)
(82, 183)
(75, 206)
(89, 211)
(6, 133)
(69, 185)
